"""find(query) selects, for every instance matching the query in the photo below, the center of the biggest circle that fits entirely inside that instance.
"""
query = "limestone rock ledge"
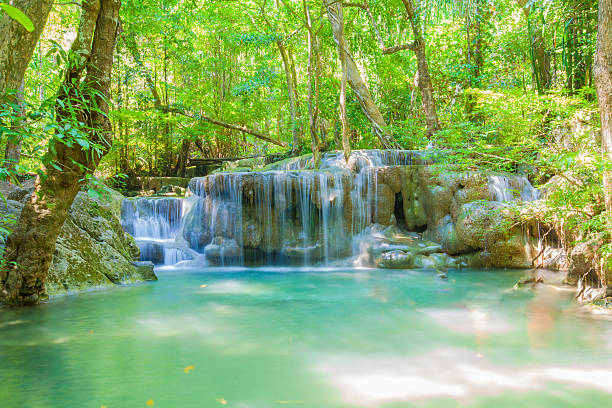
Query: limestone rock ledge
(92, 251)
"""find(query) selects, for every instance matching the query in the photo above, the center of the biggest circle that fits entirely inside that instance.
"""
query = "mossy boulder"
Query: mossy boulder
(444, 232)
(395, 259)
(92, 250)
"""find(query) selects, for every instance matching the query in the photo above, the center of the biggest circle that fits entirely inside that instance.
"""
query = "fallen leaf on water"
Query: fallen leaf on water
(188, 369)
(150, 402)
(222, 401)
(103, 406)
(203, 286)
(91, 332)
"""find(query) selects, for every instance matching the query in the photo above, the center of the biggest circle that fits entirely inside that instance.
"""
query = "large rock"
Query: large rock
(395, 259)
(488, 228)
(585, 260)
(444, 233)
(92, 250)
(384, 205)
(482, 223)
(413, 198)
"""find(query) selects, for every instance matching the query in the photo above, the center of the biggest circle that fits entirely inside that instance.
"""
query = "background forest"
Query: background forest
(494, 83)
(504, 73)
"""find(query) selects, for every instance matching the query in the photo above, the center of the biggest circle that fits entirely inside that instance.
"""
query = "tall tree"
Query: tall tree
(292, 99)
(540, 60)
(291, 81)
(602, 71)
(83, 105)
(356, 82)
(424, 79)
(346, 143)
(313, 86)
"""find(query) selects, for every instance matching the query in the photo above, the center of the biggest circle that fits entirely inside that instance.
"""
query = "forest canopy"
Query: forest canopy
(501, 73)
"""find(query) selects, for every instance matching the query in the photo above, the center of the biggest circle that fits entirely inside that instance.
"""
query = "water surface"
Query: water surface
(308, 338)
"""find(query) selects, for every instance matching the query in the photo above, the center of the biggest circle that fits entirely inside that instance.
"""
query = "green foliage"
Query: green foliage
(18, 15)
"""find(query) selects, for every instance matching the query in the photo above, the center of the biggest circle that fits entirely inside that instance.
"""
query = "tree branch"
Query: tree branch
(243, 129)
(358, 5)
(385, 50)
(397, 48)
(239, 128)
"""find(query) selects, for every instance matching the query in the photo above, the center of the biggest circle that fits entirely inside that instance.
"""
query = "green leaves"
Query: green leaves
(18, 15)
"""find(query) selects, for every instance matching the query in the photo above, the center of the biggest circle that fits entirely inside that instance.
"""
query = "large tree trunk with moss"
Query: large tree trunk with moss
(356, 82)
(602, 71)
(424, 80)
(29, 249)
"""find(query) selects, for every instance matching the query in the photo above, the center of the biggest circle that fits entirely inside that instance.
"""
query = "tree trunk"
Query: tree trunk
(540, 60)
(29, 249)
(346, 143)
(602, 72)
(17, 44)
(183, 157)
(356, 82)
(291, 93)
(312, 73)
(424, 80)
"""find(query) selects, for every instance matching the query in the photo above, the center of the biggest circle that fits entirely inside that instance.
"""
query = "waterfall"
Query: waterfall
(292, 214)
(509, 188)
(155, 224)
(287, 216)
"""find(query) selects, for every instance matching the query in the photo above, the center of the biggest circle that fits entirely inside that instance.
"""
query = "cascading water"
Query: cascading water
(291, 214)
(504, 188)
(275, 216)
(155, 224)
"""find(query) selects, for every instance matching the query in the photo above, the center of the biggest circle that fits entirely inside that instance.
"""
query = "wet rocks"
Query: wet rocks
(585, 262)
(92, 250)
(293, 211)
(221, 250)
(395, 259)
(384, 205)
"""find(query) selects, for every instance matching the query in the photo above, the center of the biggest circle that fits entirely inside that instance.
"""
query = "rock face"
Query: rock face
(92, 250)
(586, 268)
(391, 209)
